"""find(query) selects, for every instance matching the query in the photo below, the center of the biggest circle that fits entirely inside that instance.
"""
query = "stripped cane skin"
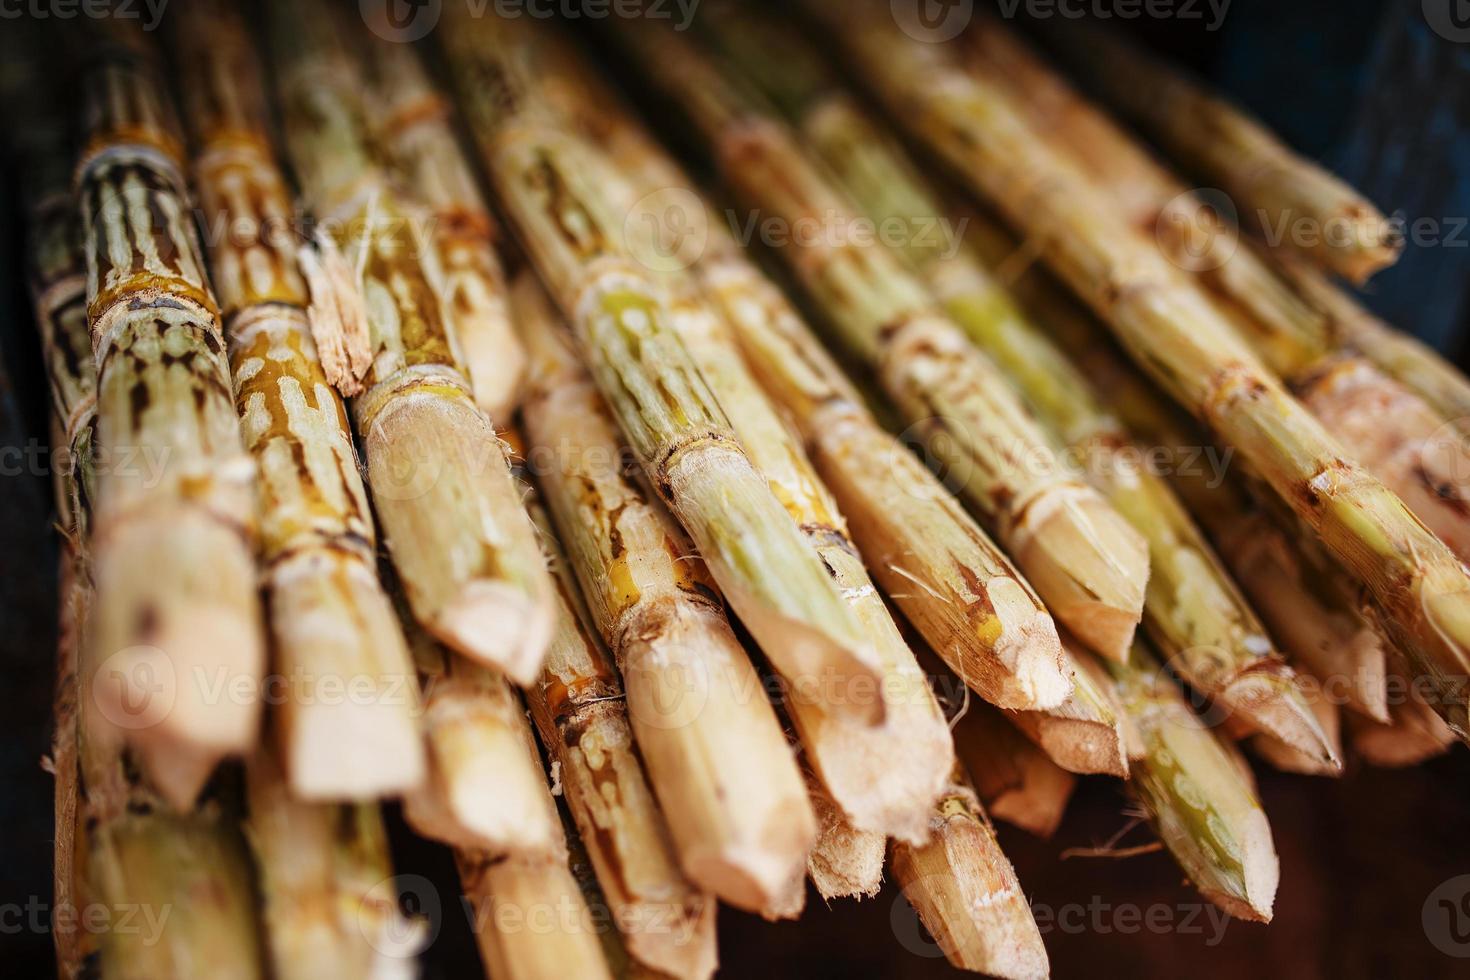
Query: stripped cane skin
(177, 609)
(716, 756)
(1420, 588)
(331, 620)
(1296, 325)
(560, 193)
(441, 484)
(1086, 563)
(416, 131)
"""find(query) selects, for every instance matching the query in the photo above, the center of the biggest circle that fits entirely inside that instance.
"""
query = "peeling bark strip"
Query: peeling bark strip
(441, 484)
(174, 549)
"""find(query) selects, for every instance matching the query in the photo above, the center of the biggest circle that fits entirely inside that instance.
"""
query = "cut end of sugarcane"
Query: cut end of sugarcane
(1261, 872)
(689, 951)
(845, 862)
(1089, 566)
(1084, 747)
(1273, 705)
(760, 881)
(353, 751)
(1038, 676)
(499, 625)
(1038, 804)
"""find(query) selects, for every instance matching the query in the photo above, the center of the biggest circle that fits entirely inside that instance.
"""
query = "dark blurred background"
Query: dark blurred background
(1379, 90)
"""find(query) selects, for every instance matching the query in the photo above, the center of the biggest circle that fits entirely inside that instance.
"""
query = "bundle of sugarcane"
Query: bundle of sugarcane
(735, 803)
(416, 133)
(1420, 589)
(1297, 327)
(1193, 610)
(1085, 561)
(116, 841)
(559, 193)
(1349, 235)
(330, 618)
(176, 615)
(884, 779)
(938, 566)
(579, 709)
(460, 541)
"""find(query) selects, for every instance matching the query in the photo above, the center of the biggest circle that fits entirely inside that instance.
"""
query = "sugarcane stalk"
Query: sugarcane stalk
(1220, 142)
(417, 133)
(926, 552)
(1087, 564)
(486, 789)
(1306, 600)
(441, 485)
(580, 711)
(1192, 609)
(176, 610)
(1389, 427)
(1014, 779)
(966, 892)
(1197, 792)
(331, 621)
(716, 757)
(1411, 361)
(327, 886)
(1288, 758)
(1412, 734)
(530, 919)
(1084, 734)
(1421, 589)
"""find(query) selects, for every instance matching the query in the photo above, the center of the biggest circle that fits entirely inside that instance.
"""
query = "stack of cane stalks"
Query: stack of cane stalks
(437, 437)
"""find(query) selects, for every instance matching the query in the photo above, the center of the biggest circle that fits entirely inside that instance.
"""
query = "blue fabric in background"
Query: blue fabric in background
(1367, 87)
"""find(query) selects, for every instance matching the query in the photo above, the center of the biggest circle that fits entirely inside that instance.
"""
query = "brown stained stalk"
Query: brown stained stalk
(966, 892)
(1089, 566)
(1192, 609)
(416, 130)
(1278, 189)
(563, 197)
(1297, 327)
(441, 485)
(332, 623)
(1015, 780)
(1418, 585)
(177, 618)
(328, 896)
(716, 756)
(580, 711)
